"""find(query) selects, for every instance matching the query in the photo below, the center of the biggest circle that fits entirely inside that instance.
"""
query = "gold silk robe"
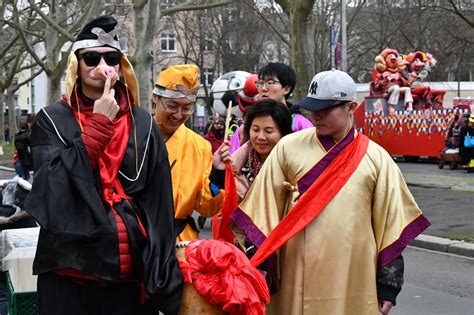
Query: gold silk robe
(190, 158)
(330, 266)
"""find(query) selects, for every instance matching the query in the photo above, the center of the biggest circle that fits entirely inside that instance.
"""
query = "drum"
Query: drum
(192, 302)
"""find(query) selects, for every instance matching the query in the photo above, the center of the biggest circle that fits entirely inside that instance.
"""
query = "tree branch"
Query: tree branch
(51, 22)
(92, 6)
(32, 51)
(9, 45)
(272, 27)
(189, 6)
(460, 14)
(34, 75)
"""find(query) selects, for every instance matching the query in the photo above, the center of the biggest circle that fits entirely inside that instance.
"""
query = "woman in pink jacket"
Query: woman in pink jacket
(266, 122)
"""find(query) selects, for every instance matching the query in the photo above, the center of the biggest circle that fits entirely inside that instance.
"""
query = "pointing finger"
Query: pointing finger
(106, 86)
(112, 93)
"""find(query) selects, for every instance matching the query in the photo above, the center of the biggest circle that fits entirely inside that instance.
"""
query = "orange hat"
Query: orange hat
(178, 81)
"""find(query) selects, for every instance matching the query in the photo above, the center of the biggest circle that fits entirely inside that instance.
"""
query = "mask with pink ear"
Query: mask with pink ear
(103, 72)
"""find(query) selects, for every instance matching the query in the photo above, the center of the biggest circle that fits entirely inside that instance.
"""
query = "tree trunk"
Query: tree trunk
(143, 70)
(301, 41)
(54, 89)
(2, 116)
(145, 17)
(302, 47)
(11, 112)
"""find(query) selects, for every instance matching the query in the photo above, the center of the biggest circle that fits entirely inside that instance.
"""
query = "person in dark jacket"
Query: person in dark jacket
(215, 135)
(102, 191)
(23, 162)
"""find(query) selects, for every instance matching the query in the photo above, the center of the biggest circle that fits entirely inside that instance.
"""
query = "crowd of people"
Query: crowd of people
(115, 187)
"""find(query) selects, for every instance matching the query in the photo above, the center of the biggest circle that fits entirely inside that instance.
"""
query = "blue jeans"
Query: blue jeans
(21, 171)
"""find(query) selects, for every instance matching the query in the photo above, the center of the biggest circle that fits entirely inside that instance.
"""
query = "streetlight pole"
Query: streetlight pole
(344, 36)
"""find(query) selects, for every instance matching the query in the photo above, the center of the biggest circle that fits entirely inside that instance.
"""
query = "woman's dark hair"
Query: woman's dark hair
(23, 125)
(285, 74)
(268, 107)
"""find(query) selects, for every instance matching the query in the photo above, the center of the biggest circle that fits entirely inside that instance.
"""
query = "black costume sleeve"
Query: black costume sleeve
(390, 280)
(217, 177)
(63, 198)
(162, 276)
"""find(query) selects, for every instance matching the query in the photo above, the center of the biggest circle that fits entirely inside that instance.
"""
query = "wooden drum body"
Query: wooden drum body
(192, 302)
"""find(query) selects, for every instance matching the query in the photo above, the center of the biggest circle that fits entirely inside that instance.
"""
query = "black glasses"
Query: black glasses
(174, 109)
(92, 58)
(269, 83)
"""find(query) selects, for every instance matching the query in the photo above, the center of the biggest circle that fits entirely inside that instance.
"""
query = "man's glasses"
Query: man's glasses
(173, 109)
(92, 58)
(268, 83)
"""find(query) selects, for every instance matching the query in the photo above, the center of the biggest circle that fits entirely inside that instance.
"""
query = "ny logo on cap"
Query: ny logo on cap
(313, 87)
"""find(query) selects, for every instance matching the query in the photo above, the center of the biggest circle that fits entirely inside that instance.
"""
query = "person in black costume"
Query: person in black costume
(102, 191)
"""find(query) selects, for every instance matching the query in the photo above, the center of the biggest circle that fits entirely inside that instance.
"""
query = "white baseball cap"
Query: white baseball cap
(328, 89)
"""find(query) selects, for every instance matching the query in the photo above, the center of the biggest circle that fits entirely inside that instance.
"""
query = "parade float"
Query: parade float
(403, 113)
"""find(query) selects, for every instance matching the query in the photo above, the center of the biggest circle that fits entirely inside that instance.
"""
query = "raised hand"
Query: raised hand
(106, 104)
(222, 155)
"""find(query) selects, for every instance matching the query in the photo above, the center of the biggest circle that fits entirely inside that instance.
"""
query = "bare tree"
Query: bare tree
(410, 26)
(146, 14)
(13, 61)
(54, 24)
(460, 8)
(301, 39)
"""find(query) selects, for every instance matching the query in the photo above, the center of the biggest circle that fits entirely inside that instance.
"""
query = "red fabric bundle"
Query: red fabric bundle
(223, 275)
(221, 230)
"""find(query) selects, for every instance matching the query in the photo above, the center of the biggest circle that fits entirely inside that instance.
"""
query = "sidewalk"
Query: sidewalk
(456, 184)
(440, 181)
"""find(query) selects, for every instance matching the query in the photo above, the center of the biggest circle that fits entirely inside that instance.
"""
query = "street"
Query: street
(436, 284)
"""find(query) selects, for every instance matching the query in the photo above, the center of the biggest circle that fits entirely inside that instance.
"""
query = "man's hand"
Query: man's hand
(385, 307)
(106, 104)
(222, 155)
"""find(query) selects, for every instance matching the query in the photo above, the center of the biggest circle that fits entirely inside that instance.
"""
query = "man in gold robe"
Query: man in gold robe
(335, 208)
(195, 183)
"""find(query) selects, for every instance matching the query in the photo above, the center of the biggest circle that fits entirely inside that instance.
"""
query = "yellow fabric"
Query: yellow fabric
(129, 78)
(71, 75)
(191, 159)
(330, 267)
(187, 75)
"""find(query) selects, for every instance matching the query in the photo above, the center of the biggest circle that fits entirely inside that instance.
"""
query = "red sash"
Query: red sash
(315, 199)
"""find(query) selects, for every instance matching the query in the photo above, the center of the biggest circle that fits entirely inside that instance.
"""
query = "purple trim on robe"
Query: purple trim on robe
(411, 231)
(243, 222)
(308, 179)
(327, 142)
(253, 233)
